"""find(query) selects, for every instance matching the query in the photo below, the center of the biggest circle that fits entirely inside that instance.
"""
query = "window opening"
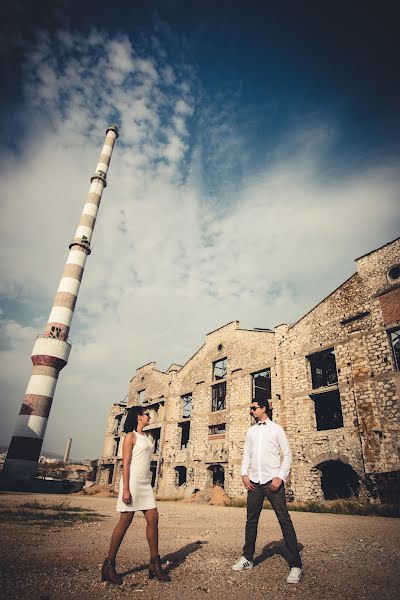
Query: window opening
(323, 368)
(185, 433)
(328, 410)
(117, 423)
(116, 446)
(187, 402)
(216, 429)
(110, 474)
(220, 369)
(180, 476)
(261, 385)
(141, 396)
(394, 272)
(156, 435)
(153, 472)
(218, 474)
(218, 396)
(395, 343)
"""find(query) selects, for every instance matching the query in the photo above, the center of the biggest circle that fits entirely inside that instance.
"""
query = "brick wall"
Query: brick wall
(353, 321)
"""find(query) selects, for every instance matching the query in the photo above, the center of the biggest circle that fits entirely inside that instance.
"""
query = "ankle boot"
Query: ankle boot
(108, 572)
(155, 569)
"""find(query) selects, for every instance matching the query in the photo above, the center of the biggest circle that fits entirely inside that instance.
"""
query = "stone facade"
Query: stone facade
(332, 380)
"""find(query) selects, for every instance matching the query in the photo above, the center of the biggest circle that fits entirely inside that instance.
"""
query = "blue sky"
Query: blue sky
(258, 156)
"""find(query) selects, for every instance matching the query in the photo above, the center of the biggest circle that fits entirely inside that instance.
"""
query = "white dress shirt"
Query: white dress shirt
(265, 442)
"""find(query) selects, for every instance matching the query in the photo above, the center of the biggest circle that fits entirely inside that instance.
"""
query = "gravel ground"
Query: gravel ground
(343, 556)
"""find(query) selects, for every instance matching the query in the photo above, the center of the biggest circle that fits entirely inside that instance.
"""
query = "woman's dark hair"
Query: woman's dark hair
(131, 421)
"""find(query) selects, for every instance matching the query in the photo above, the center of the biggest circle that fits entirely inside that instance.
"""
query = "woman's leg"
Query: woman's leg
(151, 516)
(155, 568)
(120, 529)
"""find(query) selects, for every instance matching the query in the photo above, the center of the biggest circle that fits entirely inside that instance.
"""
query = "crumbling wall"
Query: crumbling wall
(351, 419)
(247, 352)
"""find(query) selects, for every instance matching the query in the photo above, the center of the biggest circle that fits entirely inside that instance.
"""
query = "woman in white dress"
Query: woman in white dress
(135, 493)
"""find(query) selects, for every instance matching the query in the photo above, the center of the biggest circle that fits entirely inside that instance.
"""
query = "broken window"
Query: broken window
(186, 406)
(117, 423)
(323, 368)
(156, 435)
(141, 396)
(328, 410)
(217, 473)
(220, 369)
(180, 476)
(110, 474)
(185, 433)
(116, 446)
(216, 429)
(395, 343)
(153, 472)
(218, 396)
(261, 385)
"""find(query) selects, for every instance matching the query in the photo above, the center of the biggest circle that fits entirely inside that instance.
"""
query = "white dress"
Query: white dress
(139, 477)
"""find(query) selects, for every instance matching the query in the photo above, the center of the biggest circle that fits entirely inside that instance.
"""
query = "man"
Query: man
(263, 475)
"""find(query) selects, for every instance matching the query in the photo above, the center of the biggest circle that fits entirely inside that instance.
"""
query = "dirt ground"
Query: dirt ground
(344, 557)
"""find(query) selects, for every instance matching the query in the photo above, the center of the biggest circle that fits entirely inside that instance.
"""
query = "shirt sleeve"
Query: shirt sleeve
(286, 455)
(246, 455)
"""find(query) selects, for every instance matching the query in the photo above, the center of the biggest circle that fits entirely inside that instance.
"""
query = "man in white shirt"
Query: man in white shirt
(263, 475)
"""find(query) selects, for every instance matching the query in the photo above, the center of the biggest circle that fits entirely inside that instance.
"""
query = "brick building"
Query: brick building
(332, 380)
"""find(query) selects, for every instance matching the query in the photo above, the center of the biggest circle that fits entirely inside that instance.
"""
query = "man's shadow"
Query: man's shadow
(172, 560)
(273, 548)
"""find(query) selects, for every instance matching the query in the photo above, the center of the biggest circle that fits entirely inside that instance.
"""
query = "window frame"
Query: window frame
(184, 426)
(395, 357)
(215, 398)
(183, 405)
(322, 420)
(225, 372)
(320, 380)
(211, 427)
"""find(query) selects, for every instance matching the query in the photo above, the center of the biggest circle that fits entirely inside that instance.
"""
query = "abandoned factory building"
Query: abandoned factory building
(332, 380)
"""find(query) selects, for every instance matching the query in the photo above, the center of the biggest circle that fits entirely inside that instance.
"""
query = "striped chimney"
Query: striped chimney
(51, 350)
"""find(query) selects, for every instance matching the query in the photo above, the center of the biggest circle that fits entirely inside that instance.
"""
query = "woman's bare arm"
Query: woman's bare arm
(127, 447)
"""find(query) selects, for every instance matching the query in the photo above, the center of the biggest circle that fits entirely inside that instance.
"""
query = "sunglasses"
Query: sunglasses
(146, 414)
(253, 408)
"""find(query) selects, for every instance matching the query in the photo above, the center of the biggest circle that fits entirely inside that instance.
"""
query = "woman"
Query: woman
(135, 493)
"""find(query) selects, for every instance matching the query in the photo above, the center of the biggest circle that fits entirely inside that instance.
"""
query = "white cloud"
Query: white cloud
(168, 265)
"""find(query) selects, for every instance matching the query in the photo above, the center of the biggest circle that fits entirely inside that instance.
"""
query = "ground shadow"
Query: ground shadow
(172, 560)
(278, 547)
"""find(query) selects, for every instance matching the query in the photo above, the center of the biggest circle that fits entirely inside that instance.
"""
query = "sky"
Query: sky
(258, 157)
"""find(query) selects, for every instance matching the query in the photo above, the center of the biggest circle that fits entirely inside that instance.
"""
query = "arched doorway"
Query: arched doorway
(217, 472)
(338, 480)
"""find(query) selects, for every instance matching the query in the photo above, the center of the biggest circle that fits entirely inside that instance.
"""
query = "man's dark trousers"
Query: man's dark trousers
(277, 499)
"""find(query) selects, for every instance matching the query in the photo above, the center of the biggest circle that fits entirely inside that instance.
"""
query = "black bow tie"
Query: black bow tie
(262, 422)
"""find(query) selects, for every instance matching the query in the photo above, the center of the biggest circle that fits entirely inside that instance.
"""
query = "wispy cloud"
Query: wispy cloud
(169, 263)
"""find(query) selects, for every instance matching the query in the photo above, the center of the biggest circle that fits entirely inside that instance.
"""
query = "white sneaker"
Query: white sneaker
(242, 564)
(295, 575)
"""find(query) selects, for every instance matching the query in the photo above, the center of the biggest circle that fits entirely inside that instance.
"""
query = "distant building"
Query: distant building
(332, 380)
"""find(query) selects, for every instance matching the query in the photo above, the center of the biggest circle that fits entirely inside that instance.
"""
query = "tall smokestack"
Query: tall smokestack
(67, 450)
(51, 350)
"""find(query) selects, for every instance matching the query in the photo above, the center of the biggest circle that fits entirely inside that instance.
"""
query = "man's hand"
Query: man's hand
(276, 484)
(247, 483)
(126, 497)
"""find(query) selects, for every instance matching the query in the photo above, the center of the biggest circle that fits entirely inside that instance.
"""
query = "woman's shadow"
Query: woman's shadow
(277, 547)
(172, 560)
